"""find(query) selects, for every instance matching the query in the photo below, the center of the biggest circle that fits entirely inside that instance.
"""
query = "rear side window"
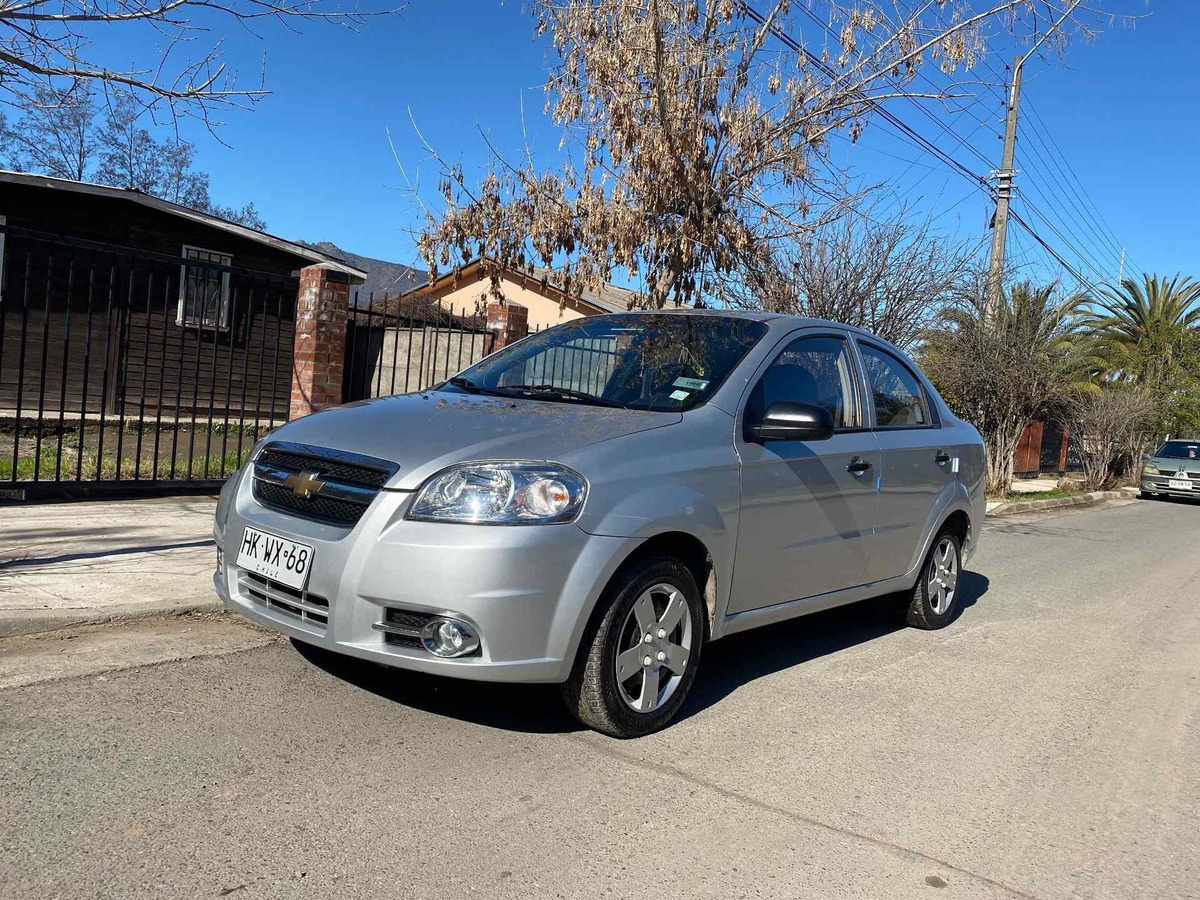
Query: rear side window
(895, 391)
(813, 370)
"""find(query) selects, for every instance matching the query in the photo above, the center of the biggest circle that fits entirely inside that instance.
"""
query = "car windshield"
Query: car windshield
(1179, 450)
(650, 361)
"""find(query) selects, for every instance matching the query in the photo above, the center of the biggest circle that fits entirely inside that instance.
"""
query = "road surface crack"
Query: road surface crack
(593, 743)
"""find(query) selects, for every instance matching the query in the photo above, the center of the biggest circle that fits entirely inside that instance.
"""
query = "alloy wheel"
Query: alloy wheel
(653, 648)
(943, 576)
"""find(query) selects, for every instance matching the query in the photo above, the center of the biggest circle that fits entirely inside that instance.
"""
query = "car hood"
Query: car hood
(424, 433)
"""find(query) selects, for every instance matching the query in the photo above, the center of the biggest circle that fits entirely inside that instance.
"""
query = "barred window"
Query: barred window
(203, 289)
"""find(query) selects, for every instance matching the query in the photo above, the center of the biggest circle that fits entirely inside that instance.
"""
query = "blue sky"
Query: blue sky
(315, 159)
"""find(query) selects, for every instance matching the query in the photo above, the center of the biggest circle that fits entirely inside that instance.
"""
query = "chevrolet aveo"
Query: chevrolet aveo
(593, 504)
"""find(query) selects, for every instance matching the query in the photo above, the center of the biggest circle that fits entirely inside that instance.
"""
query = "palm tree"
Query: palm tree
(1144, 331)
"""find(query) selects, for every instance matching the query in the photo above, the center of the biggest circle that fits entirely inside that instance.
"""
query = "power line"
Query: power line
(926, 145)
(1039, 123)
(923, 142)
(1055, 254)
(1072, 197)
(1091, 263)
(1100, 257)
(1045, 194)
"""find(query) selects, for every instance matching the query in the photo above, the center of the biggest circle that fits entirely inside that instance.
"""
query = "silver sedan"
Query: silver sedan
(1173, 470)
(592, 505)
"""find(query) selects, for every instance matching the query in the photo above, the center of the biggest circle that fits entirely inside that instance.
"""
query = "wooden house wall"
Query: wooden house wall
(246, 369)
(97, 326)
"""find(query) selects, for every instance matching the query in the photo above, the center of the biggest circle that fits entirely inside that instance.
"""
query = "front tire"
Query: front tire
(934, 599)
(638, 662)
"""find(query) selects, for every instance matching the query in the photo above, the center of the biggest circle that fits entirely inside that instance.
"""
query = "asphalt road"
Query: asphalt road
(1045, 745)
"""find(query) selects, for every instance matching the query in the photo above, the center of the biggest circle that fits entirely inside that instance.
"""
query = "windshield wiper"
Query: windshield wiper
(550, 390)
(468, 385)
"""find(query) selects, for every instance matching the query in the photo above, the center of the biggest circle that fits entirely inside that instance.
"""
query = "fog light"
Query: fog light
(220, 558)
(448, 637)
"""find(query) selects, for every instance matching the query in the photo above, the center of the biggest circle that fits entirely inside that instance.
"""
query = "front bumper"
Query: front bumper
(527, 590)
(1159, 484)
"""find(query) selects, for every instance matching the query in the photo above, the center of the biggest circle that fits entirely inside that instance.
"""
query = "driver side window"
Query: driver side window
(818, 371)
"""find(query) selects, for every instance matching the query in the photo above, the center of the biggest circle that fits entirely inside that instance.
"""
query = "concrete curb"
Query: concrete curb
(14, 622)
(1016, 507)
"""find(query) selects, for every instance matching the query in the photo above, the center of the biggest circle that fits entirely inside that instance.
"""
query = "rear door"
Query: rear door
(916, 467)
(807, 508)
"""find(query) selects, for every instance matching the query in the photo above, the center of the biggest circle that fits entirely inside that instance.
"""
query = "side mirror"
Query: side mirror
(785, 421)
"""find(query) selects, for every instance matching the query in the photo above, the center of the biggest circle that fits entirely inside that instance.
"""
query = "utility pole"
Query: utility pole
(995, 283)
(1004, 189)
(1121, 276)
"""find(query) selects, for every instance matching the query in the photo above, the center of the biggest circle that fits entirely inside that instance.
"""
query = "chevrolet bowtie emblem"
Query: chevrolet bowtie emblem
(303, 484)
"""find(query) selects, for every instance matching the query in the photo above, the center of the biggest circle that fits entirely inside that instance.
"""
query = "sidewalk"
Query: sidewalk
(77, 563)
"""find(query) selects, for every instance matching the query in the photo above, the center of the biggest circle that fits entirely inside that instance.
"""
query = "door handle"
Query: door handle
(858, 466)
(942, 458)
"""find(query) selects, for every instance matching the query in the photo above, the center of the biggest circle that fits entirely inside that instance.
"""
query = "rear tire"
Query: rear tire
(934, 599)
(655, 596)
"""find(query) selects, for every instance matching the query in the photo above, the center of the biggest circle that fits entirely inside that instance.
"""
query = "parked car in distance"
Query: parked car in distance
(1172, 470)
(595, 503)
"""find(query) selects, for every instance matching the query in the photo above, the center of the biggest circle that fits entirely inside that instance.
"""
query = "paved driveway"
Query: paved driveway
(1045, 745)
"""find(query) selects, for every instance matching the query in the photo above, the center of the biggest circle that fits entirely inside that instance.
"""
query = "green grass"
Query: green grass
(107, 470)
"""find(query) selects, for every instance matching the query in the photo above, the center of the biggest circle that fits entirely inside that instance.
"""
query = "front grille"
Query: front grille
(348, 481)
(1174, 473)
(279, 597)
(325, 467)
(402, 627)
(325, 509)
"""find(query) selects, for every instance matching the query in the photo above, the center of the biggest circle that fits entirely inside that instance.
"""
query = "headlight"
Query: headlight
(1148, 469)
(501, 493)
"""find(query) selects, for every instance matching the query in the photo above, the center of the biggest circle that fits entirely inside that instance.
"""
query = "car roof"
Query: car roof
(775, 320)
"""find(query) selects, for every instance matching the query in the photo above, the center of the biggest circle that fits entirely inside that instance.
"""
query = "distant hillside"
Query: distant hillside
(383, 277)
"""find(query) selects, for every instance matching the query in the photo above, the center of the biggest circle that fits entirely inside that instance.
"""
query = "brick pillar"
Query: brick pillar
(508, 321)
(319, 354)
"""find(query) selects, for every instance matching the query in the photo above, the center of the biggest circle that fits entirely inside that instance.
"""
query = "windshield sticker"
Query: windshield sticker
(693, 384)
(680, 395)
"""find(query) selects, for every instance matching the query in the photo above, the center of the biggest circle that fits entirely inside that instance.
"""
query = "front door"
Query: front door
(808, 507)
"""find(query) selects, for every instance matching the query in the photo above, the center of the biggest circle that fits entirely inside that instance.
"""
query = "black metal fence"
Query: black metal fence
(123, 368)
(129, 371)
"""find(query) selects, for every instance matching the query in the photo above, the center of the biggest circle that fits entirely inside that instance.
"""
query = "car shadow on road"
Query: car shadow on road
(532, 708)
(741, 658)
(727, 665)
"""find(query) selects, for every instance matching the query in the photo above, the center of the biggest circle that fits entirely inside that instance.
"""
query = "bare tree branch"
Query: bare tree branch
(49, 43)
(697, 141)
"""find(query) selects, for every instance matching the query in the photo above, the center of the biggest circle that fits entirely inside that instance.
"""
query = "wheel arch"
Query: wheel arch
(957, 517)
(691, 551)
(959, 522)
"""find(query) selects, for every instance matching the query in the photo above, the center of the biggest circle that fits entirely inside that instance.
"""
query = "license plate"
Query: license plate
(279, 559)
(1176, 485)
